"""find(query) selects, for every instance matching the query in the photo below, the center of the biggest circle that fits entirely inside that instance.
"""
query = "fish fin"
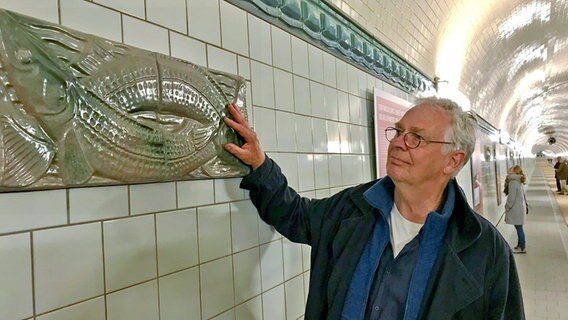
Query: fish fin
(73, 165)
(24, 157)
(202, 136)
(217, 167)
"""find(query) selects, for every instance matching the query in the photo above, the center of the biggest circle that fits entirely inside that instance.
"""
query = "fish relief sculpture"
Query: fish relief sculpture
(76, 109)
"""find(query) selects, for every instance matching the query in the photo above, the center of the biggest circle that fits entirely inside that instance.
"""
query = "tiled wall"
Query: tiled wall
(191, 249)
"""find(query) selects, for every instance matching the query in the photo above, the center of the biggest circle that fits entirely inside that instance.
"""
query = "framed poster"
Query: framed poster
(477, 176)
(388, 110)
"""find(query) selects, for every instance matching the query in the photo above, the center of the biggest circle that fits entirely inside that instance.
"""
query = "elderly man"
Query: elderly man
(407, 246)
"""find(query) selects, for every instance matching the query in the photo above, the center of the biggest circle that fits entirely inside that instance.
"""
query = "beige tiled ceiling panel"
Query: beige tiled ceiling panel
(509, 57)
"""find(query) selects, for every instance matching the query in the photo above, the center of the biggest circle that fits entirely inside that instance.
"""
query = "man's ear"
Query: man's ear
(454, 162)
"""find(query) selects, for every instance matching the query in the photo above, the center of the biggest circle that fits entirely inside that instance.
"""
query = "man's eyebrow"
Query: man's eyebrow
(411, 129)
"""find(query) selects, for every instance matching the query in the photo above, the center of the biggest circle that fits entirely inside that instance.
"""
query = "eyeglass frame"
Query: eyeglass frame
(420, 138)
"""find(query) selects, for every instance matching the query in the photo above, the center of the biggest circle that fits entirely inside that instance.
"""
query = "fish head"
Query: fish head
(31, 75)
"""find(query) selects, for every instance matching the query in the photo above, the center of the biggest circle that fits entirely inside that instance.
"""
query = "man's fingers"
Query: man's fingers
(242, 129)
(237, 115)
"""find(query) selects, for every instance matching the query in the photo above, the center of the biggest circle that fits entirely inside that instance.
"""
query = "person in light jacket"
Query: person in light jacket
(516, 205)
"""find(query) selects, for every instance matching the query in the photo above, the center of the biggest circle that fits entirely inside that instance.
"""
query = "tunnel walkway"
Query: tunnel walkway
(544, 269)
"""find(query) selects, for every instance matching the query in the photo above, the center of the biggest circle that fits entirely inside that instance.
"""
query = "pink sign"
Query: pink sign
(388, 110)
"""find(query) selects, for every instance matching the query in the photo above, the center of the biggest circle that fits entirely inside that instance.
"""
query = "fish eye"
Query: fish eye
(24, 55)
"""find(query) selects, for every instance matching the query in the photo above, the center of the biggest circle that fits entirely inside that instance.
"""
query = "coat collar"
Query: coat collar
(464, 229)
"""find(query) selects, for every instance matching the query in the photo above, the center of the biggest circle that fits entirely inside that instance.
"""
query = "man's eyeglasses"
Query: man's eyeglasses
(411, 140)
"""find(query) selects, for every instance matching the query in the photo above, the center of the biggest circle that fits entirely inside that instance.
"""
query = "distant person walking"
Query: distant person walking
(562, 175)
(556, 166)
(516, 206)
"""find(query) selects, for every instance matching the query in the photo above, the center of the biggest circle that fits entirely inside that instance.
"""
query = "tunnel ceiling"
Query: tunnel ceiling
(509, 58)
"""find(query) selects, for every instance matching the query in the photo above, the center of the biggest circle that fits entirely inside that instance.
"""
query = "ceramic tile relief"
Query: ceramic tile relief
(194, 247)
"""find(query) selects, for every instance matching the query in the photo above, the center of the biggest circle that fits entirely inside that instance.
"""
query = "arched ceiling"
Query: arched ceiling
(509, 58)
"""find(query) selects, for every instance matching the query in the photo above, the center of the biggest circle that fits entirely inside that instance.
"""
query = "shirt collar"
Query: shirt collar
(381, 196)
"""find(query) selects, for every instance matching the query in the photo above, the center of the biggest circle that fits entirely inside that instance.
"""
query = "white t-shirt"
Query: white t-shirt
(402, 230)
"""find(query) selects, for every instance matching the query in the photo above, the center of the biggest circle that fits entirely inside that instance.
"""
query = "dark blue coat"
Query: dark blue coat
(474, 278)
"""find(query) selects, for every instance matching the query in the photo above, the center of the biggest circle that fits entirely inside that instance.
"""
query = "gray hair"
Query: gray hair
(462, 131)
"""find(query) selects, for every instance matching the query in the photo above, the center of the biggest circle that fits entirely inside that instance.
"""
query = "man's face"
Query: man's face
(427, 162)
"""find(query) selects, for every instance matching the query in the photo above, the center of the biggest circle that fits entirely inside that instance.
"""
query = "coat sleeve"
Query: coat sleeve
(505, 297)
(295, 217)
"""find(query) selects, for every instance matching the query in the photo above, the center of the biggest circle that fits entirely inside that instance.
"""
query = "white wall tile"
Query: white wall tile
(317, 99)
(214, 229)
(322, 193)
(272, 270)
(228, 189)
(244, 225)
(188, 49)
(356, 139)
(195, 193)
(306, 285)
(305, 172)
(266, 233)
(294, 290)
(292, 257)
(152, 197)
(216, 287)
(283, 90)
(227, 315)
(304, 139)
(176, 234)
(300, 61)
(274, 307)
(302, 96)
(286, 131)
(355, 109)
(44, 10)
(27, 210)
(362, 81)
(344, 138)
(251, 310)
(68, 261)
(262, 85)
(130, 251)
(289, 164)
(89, 310)
(343, 106)
(320, 135)
(204, 20)
(315, 59)
(306, 258)
(234, 30)
(331, 103)
(15, 277)
(136, 303)
(265, 127)
(180, 295)
(321, 171)
(259, 39)
(133, 7)
(281, 49)
(329, 70)
(333, 139)
(352, 80)
(244, 67)
(145, 35)
(247, 275)
(341, 72)
(89, 18)
(88, 204)
(335, 174)
(222, 60)
(168, 13)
